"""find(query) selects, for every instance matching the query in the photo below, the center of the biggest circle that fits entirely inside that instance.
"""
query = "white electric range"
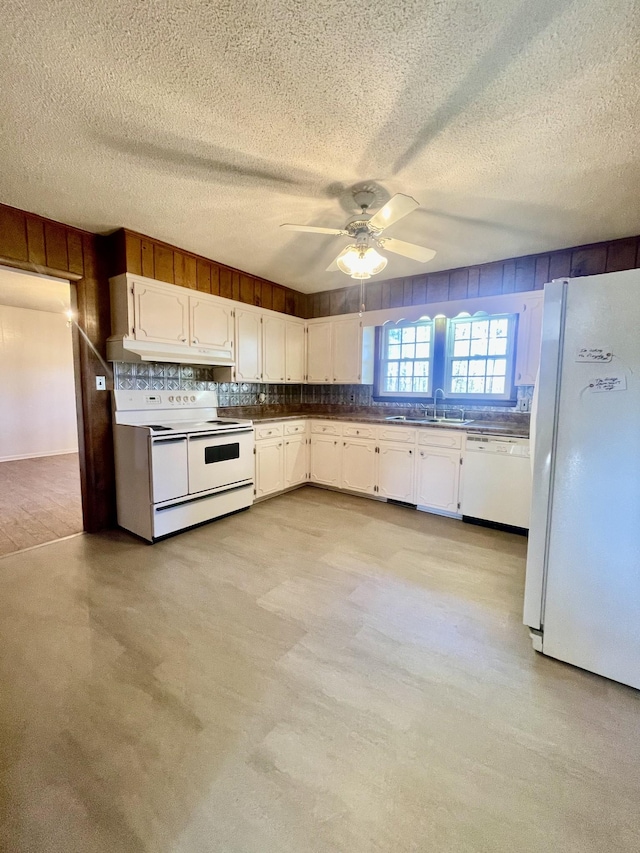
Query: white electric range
(177, 463)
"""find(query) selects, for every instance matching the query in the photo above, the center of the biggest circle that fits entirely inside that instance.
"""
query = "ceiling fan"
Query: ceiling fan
(360, 259)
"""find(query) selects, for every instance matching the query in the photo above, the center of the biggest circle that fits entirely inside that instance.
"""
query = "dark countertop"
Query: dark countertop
(479, 427)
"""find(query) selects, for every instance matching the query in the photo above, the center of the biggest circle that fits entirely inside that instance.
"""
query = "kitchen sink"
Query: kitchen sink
(417, 420)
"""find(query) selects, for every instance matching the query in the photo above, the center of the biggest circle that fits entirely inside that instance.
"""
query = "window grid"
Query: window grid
(407, 353)
(480, 354)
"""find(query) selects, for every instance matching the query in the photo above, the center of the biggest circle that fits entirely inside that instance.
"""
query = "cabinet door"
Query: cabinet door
(319, 362)
(529, 339)
(347, 351)
(438, 478)
(359, 466)
(212, 323)
(248, 345)
(395, 472)
(273, 343)
(161, 313)
(294, 351)
(269, 467)
(295, 460)
(325, 460)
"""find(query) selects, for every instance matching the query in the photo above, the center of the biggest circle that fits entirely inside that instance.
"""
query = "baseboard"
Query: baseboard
(37, 455)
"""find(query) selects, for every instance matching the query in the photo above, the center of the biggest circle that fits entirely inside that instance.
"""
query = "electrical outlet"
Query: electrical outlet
(101, 383)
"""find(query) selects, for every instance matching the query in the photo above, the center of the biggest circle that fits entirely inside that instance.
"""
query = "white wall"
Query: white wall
(37, 395)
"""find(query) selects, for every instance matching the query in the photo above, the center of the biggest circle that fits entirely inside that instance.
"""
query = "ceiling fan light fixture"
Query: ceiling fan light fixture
(360, 263)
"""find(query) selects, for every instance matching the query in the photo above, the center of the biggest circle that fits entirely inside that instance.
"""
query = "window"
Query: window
(470, 358)
(406, 356)
(480, 357)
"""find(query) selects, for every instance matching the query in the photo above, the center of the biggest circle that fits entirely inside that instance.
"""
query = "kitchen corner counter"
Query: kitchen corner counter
(479, 427)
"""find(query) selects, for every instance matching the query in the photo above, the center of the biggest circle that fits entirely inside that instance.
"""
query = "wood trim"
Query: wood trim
(512, 275)
(134, 253)
(28, 266)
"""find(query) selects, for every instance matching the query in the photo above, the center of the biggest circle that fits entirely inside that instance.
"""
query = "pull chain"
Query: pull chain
(362, 306)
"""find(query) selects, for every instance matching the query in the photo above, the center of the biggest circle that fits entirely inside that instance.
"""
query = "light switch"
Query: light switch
(101, 383)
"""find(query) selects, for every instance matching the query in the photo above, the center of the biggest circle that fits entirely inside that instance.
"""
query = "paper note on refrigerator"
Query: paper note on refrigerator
(594, 354)
(608, 383)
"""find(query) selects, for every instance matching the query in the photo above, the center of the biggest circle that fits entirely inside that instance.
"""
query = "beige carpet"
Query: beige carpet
(39, 501)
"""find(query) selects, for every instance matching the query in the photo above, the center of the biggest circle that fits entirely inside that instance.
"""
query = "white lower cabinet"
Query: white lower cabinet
(295, 460)
(396, 472)
(359, 466)
(269, 467)
(326, 460)
(438, 479)
(420, 467)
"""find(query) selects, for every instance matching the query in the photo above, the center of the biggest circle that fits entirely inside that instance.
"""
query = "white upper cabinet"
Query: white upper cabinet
(529, 339)
(248, 345)
(347, 351)
(319, 360)
(161, 313)
(295, 351)
(340, 351)
(212, 323)
(273, 348)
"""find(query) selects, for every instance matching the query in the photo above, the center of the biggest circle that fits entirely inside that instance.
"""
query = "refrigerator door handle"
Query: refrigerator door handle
(543, 439)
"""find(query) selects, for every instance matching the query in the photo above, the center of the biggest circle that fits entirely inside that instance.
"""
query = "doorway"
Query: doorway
(40, 497)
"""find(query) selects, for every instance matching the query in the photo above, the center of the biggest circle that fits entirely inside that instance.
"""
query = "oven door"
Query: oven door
(220, 459)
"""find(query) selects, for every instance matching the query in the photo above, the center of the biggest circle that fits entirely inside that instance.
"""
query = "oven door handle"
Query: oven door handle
(168, 440)
(199, 436)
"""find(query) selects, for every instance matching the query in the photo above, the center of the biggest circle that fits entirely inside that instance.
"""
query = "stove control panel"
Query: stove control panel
(152, 401)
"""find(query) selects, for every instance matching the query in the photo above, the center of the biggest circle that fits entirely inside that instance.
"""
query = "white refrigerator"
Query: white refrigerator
(582, 593)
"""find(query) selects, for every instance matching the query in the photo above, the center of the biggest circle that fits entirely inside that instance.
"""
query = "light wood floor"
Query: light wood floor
(322, 673)
(39, 501)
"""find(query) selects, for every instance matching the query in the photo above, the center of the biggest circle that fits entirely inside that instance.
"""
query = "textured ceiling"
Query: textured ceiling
(514, 124)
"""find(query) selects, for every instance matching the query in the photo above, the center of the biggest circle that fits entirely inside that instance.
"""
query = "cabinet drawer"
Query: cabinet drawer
(326, 428)
(399, 435)
(295, 428)
(268, 431)
(358, 431)
(440, 438)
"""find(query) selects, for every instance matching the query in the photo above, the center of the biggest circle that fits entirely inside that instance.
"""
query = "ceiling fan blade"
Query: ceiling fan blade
(288, 226)
(398, 206)
(409, 250)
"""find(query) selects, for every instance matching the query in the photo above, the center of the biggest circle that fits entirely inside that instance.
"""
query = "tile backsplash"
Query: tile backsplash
(191, 377)
(188, 377)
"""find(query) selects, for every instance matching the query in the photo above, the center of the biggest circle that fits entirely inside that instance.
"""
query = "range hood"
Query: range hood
(127, 349)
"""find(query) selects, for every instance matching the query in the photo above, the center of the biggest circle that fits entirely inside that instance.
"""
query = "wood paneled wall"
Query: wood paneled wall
(31, 242)
(516, 274)
(134, 253)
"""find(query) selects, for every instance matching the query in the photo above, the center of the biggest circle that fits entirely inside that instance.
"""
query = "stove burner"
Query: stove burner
(157, 428)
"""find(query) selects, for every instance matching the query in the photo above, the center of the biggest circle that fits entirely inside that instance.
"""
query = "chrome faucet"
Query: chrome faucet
(435, 401)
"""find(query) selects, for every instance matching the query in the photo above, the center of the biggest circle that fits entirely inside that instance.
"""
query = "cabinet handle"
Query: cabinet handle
(288, 379)
(196, 341)
(422, 453)
(335, 442)
(410, 452)
(520, 376)
(184, 340)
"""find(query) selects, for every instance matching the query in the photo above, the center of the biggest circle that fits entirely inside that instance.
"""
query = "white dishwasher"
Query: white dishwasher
(497, 480)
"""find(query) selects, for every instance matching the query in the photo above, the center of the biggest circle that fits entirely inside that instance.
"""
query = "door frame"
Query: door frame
(73, 279)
